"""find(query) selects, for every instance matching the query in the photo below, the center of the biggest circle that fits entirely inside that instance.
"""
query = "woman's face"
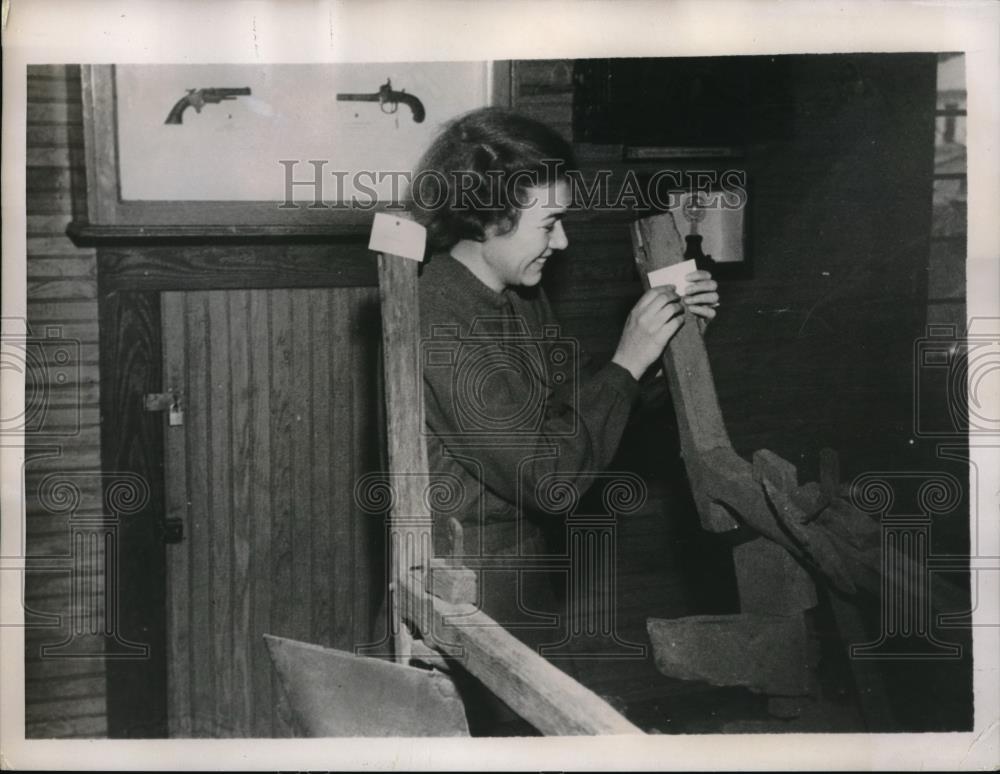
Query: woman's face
(518, 256)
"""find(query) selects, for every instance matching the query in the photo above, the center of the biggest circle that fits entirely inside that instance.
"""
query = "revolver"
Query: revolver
(198, 98)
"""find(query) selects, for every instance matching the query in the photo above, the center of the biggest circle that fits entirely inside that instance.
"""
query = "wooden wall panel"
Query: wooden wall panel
(64, 695)
(280, 419)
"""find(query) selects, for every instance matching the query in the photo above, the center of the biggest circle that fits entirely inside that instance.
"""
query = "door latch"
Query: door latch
(166, 401)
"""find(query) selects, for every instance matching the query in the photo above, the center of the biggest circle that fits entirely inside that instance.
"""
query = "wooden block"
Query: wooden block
(812, 537)
(770, 581)
(454, 584)
(782, 473)
(811, 499)
(766, 654)
(727, 478)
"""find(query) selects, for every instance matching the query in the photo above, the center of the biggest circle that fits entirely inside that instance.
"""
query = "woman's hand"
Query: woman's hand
(700, 296)
(653, 321)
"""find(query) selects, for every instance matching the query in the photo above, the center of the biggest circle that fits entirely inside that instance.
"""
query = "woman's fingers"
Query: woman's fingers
(700, 286)
(655, 297)
(661, 318)
(702, 299)
(707, 312)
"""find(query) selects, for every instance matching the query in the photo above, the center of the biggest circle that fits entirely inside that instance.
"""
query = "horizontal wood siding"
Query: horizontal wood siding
(64, 694)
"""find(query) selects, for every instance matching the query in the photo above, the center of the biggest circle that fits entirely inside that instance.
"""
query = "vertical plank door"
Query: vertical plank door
(280, 418)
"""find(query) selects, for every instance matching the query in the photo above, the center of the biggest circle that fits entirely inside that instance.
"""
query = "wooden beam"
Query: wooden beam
(132, 442)
(686, 366)
(548, 698)
(685, 360)
(219, 267)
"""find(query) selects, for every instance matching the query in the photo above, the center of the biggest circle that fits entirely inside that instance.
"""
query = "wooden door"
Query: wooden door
(280, 410)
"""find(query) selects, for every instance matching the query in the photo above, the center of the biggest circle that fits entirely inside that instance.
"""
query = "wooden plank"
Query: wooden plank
(218, 461)
(55, 137)
(48, 181)
(764, 653)
(252, 266)
(243, 452)
(39, 225)
(368, 439)
(54, 289)
(100, 138)
(179, 640)
(80, 332)
(351, 425)
(545, 696)
(52, 71)
(770, 581)
(202, 672)
(301, 456)
(53, 113)
(86, 457)
(79, 726)
(260, 511)
(328, 575)
(42, 313)
(61, 88)
(51, 157)
(57, 244)
(334, 693)
(78, 267)
(49, 202)
(404, 417)
(781, 473)
(656, 244)
(282, 511)
(60, 669)
(132, 441)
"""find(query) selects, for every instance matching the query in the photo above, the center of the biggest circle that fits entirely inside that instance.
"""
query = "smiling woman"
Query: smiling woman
(513, 409)
(516, 257)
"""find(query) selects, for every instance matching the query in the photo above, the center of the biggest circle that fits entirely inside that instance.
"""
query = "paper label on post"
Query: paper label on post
(673, 275)
(397, 235)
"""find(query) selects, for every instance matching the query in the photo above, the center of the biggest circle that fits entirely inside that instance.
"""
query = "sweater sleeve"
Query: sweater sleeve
(511, 418)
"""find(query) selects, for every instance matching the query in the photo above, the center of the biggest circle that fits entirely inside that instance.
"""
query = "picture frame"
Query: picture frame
(114, 211)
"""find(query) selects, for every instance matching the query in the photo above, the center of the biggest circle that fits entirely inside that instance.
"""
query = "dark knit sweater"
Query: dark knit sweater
(513, 410)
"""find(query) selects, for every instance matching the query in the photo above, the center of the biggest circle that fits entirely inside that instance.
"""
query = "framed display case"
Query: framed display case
(296, 147)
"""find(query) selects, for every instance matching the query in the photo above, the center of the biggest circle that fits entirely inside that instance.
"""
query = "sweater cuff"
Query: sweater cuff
(622, 381)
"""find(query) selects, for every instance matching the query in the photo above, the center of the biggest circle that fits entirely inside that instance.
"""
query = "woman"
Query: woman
(511, 406)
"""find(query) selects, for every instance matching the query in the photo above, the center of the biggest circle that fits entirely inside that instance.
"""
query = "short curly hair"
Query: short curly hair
(476, 172)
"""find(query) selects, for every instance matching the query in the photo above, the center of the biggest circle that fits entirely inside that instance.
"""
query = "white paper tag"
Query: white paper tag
(397, 235)
(673, 275)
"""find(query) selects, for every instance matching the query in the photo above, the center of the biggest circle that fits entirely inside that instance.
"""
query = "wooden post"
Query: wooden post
(686, 366)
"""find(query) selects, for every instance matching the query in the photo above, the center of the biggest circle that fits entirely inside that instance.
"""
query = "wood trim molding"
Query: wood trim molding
(211, 267)
(132, 442)
(100, 137)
